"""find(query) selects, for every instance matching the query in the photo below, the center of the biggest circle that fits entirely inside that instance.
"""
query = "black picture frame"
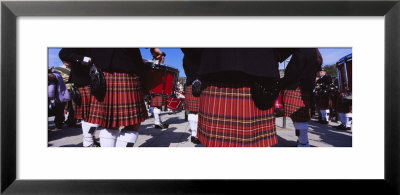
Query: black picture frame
(10, 10)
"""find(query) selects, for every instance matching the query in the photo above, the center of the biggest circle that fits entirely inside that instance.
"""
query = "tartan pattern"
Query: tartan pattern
(323, 103)
(297, 105)
(229, 118)
(82, 111)
(191, 103)
(157, 101)
(123, 104)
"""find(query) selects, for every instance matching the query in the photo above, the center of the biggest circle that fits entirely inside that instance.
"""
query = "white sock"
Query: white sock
(342, 117)
(108, 137)
(326, 114)
(323, 114)
(303, 132)
(151, 109)
(193, 119)
(157, 120)
(348, 117)
(88, 130)
(127, 138)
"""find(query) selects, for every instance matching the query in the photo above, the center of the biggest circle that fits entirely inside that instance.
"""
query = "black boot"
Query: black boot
(161, 126)
(195, 140)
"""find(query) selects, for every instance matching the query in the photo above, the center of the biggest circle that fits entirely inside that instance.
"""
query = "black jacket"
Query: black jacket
(190, 69)
(325, 80)
(253, 62)
(124, 60)
(301, 70)
(79, 74)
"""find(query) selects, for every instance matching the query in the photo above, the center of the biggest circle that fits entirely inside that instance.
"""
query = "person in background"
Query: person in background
(60, 94)
(79, 77)
(314, 99)
(324, 102)
(64, 70)
(343, 107)
(122, 110)
(298, 84)
(344, 110)
(335, 94)
(191, 103)
(158, 55)
(157, 102)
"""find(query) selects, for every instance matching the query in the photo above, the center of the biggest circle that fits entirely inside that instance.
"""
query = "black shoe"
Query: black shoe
(338, 126)
(195, 140)
(343, 127)
(323, 121)
(97, 144)
(162, 126)
(92, 145)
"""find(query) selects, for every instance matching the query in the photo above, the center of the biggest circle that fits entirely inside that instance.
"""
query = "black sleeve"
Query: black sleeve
(293, 70)
(283, 53)
(328, 80)
(194, 54)
(71, 55)
(191, 63)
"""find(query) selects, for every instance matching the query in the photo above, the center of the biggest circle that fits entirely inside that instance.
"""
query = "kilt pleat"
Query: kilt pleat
(191, 103)
(158, 101)
(123, 104)
(229, 118)
(296, 104)
(81, 111)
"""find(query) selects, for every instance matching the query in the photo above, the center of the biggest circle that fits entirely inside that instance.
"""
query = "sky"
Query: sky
(174, 57)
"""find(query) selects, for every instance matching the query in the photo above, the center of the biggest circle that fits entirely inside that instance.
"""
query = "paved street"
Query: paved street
(178, 134)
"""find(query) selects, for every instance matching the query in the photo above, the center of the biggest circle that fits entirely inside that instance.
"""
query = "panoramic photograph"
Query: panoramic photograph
(199, 97)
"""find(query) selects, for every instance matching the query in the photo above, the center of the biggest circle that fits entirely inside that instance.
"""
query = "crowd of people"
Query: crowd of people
(229, 94)
(329, 102)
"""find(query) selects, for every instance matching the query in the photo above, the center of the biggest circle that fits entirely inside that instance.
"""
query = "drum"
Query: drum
(175, 103)
(160, 80)
(344, 72)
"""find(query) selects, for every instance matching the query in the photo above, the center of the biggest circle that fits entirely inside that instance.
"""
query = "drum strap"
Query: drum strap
(164, 85)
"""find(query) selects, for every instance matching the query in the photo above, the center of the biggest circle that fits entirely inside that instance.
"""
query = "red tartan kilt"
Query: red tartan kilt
(297, 105)
(81, 112)
(324, 103)
(157, 101)
(123, 104)
(191, 103)
(229, 118)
